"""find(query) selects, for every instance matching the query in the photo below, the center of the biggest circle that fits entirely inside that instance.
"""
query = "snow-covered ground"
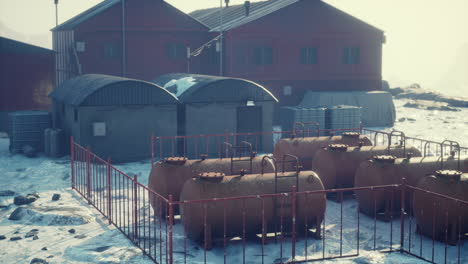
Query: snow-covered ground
(94, 241)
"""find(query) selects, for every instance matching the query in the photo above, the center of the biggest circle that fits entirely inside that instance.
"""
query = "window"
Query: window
(263, 55)
(112, 51)
(351, 55)
(309, 55)
(176, 51)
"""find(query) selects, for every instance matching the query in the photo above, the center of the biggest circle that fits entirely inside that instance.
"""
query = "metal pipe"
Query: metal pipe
(221, 38)
(124, 53)
(56, 12)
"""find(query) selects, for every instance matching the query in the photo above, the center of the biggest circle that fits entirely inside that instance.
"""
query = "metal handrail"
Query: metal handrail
(452, 152)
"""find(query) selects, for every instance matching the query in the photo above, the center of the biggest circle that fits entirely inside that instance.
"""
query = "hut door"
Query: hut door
(249, 119)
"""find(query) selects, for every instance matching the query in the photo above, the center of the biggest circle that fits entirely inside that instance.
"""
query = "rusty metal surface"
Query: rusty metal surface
(168, 178)
(371, 173)
(437, 217)
(194, 218)
(337, 168)
(306, 147)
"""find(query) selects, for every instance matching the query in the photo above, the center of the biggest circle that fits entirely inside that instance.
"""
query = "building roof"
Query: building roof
(96, 10)
(80, 18)
(234, 16)
(191, 88)
(98, 89)
(16, 47)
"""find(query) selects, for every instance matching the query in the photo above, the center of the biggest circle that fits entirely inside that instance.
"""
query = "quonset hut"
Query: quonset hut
(214, 105)
(114, 116)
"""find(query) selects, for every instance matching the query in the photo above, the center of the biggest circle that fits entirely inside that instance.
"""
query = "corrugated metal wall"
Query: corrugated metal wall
(65, 64)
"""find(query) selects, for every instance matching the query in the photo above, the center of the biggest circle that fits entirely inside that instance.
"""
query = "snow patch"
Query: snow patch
(182, 85)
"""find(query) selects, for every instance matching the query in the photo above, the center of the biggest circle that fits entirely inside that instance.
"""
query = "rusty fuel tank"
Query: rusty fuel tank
(168, 176)
(306, 147)
(310, 208)
(336, 165)
(434, 214)
(386, 170)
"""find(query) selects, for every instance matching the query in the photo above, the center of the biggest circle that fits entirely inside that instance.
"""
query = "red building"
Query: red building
(291, 46)
(26, 77)
(139, 39)
(288, 46)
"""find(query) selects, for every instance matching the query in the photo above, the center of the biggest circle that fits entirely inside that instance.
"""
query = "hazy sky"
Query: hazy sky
(425, 38)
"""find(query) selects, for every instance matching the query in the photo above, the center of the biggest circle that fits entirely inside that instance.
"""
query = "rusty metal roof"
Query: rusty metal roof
(190, 88)
(98, 89)
(234, 16)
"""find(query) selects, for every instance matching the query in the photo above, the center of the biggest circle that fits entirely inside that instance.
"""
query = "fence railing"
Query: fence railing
(217, 145)
(149, 220)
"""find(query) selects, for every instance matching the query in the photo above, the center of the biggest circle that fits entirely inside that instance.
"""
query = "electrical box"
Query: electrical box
(99, 129)
(80, 46)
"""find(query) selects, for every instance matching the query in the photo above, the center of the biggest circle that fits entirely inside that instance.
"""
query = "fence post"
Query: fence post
(294, 190)
(402, 214)
(152, 149)
(171, 223)
(72, 161)
(227, 141)
(88, 174)
(135, 207)
(109, 192)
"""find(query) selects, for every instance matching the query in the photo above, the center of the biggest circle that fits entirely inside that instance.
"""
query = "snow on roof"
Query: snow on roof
(181, 85)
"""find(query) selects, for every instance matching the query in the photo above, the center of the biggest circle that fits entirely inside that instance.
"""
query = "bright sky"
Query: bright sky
(424, 37)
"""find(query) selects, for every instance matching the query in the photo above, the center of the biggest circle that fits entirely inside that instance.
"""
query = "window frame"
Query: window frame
(309, 55)
(176, 51)
(352, 55)
(263, 55)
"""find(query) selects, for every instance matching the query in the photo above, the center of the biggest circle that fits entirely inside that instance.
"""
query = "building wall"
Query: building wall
(150, 26)
(128, 129)
(25, 82)
(212, 119)
(306, 24)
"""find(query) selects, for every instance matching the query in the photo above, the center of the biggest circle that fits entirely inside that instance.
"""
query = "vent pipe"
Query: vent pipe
(247, 8)
(227, 3)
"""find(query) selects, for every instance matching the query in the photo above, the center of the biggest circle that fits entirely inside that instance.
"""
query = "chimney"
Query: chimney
(227, 3)
(247, 8)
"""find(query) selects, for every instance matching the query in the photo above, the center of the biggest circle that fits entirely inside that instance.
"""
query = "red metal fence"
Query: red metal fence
(344, 231)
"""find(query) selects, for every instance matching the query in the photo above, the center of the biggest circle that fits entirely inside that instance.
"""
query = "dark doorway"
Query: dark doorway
(249, 119)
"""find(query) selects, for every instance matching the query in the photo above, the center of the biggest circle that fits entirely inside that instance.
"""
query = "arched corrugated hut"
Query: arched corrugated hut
(115, 116)
(214, 105)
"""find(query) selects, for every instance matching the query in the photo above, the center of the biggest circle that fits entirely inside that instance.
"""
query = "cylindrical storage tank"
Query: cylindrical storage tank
(168, 177)
(305, 148)
(435, 214)
(310, 206)
(336, 165)
(385, 170)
